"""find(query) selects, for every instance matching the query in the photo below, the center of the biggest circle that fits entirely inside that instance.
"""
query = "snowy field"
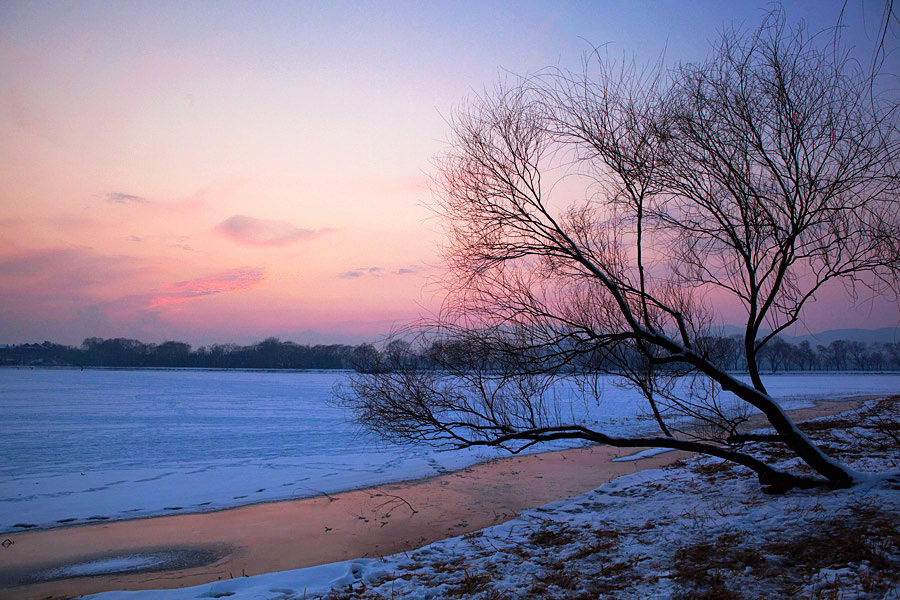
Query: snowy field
(698, 529)
(93, 445)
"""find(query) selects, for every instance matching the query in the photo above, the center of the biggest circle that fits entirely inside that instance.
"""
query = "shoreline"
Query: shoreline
(279, 535)
(402, 481)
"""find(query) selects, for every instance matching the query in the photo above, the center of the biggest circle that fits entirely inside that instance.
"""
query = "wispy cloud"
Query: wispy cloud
(378, 272)
(409, 270)
(264, 232)
(227, 281)
(356, 273)
(120, 198)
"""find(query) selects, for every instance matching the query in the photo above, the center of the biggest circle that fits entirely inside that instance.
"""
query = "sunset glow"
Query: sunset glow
(224, 172)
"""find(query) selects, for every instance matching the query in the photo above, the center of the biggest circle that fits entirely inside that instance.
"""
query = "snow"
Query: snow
(642, 454)
(313, 581)
(96, 445)
(655, 534)
(105, 566)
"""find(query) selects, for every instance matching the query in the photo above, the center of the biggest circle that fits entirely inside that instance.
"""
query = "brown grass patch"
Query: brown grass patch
(616, 568)
(717, 591)
(471, 583)
(552, 537)
(557, 575)
(495, 595)
(677, 464)
(866, 534)
(696, 563)
(827, 424)
(604, 540)
(451, 566)
(711, 469)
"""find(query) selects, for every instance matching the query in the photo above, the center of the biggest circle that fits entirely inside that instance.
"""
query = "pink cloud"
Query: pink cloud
(62, 271)
(123, 198)
(228, 281)
(264, 232)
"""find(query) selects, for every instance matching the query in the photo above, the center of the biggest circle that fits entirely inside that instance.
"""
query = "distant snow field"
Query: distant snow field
(96, 445)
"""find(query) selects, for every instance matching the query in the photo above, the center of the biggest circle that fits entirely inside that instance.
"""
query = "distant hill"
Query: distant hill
(884, 335)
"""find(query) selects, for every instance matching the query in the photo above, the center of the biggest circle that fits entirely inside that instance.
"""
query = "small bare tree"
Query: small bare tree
(754, 178)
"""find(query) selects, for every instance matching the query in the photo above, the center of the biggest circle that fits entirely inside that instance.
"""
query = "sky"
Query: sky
(228, 171)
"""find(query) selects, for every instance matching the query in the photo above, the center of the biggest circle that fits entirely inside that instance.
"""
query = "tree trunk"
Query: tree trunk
(837, 474)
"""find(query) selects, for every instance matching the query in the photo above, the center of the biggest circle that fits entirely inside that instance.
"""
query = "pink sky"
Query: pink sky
(231, 171)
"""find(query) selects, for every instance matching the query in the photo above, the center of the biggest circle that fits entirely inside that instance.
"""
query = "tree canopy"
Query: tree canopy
(756, 177)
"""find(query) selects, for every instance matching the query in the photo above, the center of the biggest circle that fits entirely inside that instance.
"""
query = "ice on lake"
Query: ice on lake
(92, 445)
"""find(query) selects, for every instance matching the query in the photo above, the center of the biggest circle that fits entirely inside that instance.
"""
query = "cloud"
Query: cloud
(264, 232)
(379, 272)
(55, 293)
(356, 273)
(42, 291)
(120, 198)
(227, 281)
(58, 270)
(410, 270)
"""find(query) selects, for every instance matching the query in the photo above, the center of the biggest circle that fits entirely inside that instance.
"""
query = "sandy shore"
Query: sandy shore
(285, 535)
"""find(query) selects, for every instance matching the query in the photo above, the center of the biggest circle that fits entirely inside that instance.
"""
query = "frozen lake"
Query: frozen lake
(81, 446)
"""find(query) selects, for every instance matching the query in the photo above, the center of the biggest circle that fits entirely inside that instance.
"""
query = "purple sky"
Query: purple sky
(218, 171)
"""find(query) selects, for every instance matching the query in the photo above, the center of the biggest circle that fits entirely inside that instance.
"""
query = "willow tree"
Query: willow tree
(595, 220)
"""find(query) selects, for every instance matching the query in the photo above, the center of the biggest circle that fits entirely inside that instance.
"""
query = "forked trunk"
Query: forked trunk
(837, 474)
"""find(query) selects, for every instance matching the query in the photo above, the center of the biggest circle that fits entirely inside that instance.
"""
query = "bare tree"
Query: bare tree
(755, 178)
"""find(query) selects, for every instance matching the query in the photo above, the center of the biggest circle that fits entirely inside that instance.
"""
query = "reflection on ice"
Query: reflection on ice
(108, 566)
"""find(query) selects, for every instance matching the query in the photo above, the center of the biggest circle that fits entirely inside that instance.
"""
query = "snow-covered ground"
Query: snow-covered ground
(699, 529)
(82, 446)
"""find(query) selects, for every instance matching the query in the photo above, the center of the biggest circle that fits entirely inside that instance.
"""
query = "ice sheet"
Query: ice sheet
(94, 445)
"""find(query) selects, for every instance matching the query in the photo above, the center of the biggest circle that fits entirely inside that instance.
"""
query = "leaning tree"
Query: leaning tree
(596, 220)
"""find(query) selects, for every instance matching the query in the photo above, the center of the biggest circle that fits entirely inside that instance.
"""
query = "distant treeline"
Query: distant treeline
(272, 353)
(120, 352)
(781, 355)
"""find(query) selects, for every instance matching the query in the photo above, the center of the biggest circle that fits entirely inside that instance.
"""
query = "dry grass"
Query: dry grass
(827, 425)
(716, 591)
(703, 567)
(470, 584)
(450, 566)
(866, 535)
(553, 537)
(603, 540)
(360, 593)
(677, 464)
(711, 469)
(558, 575)
(883, 432)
